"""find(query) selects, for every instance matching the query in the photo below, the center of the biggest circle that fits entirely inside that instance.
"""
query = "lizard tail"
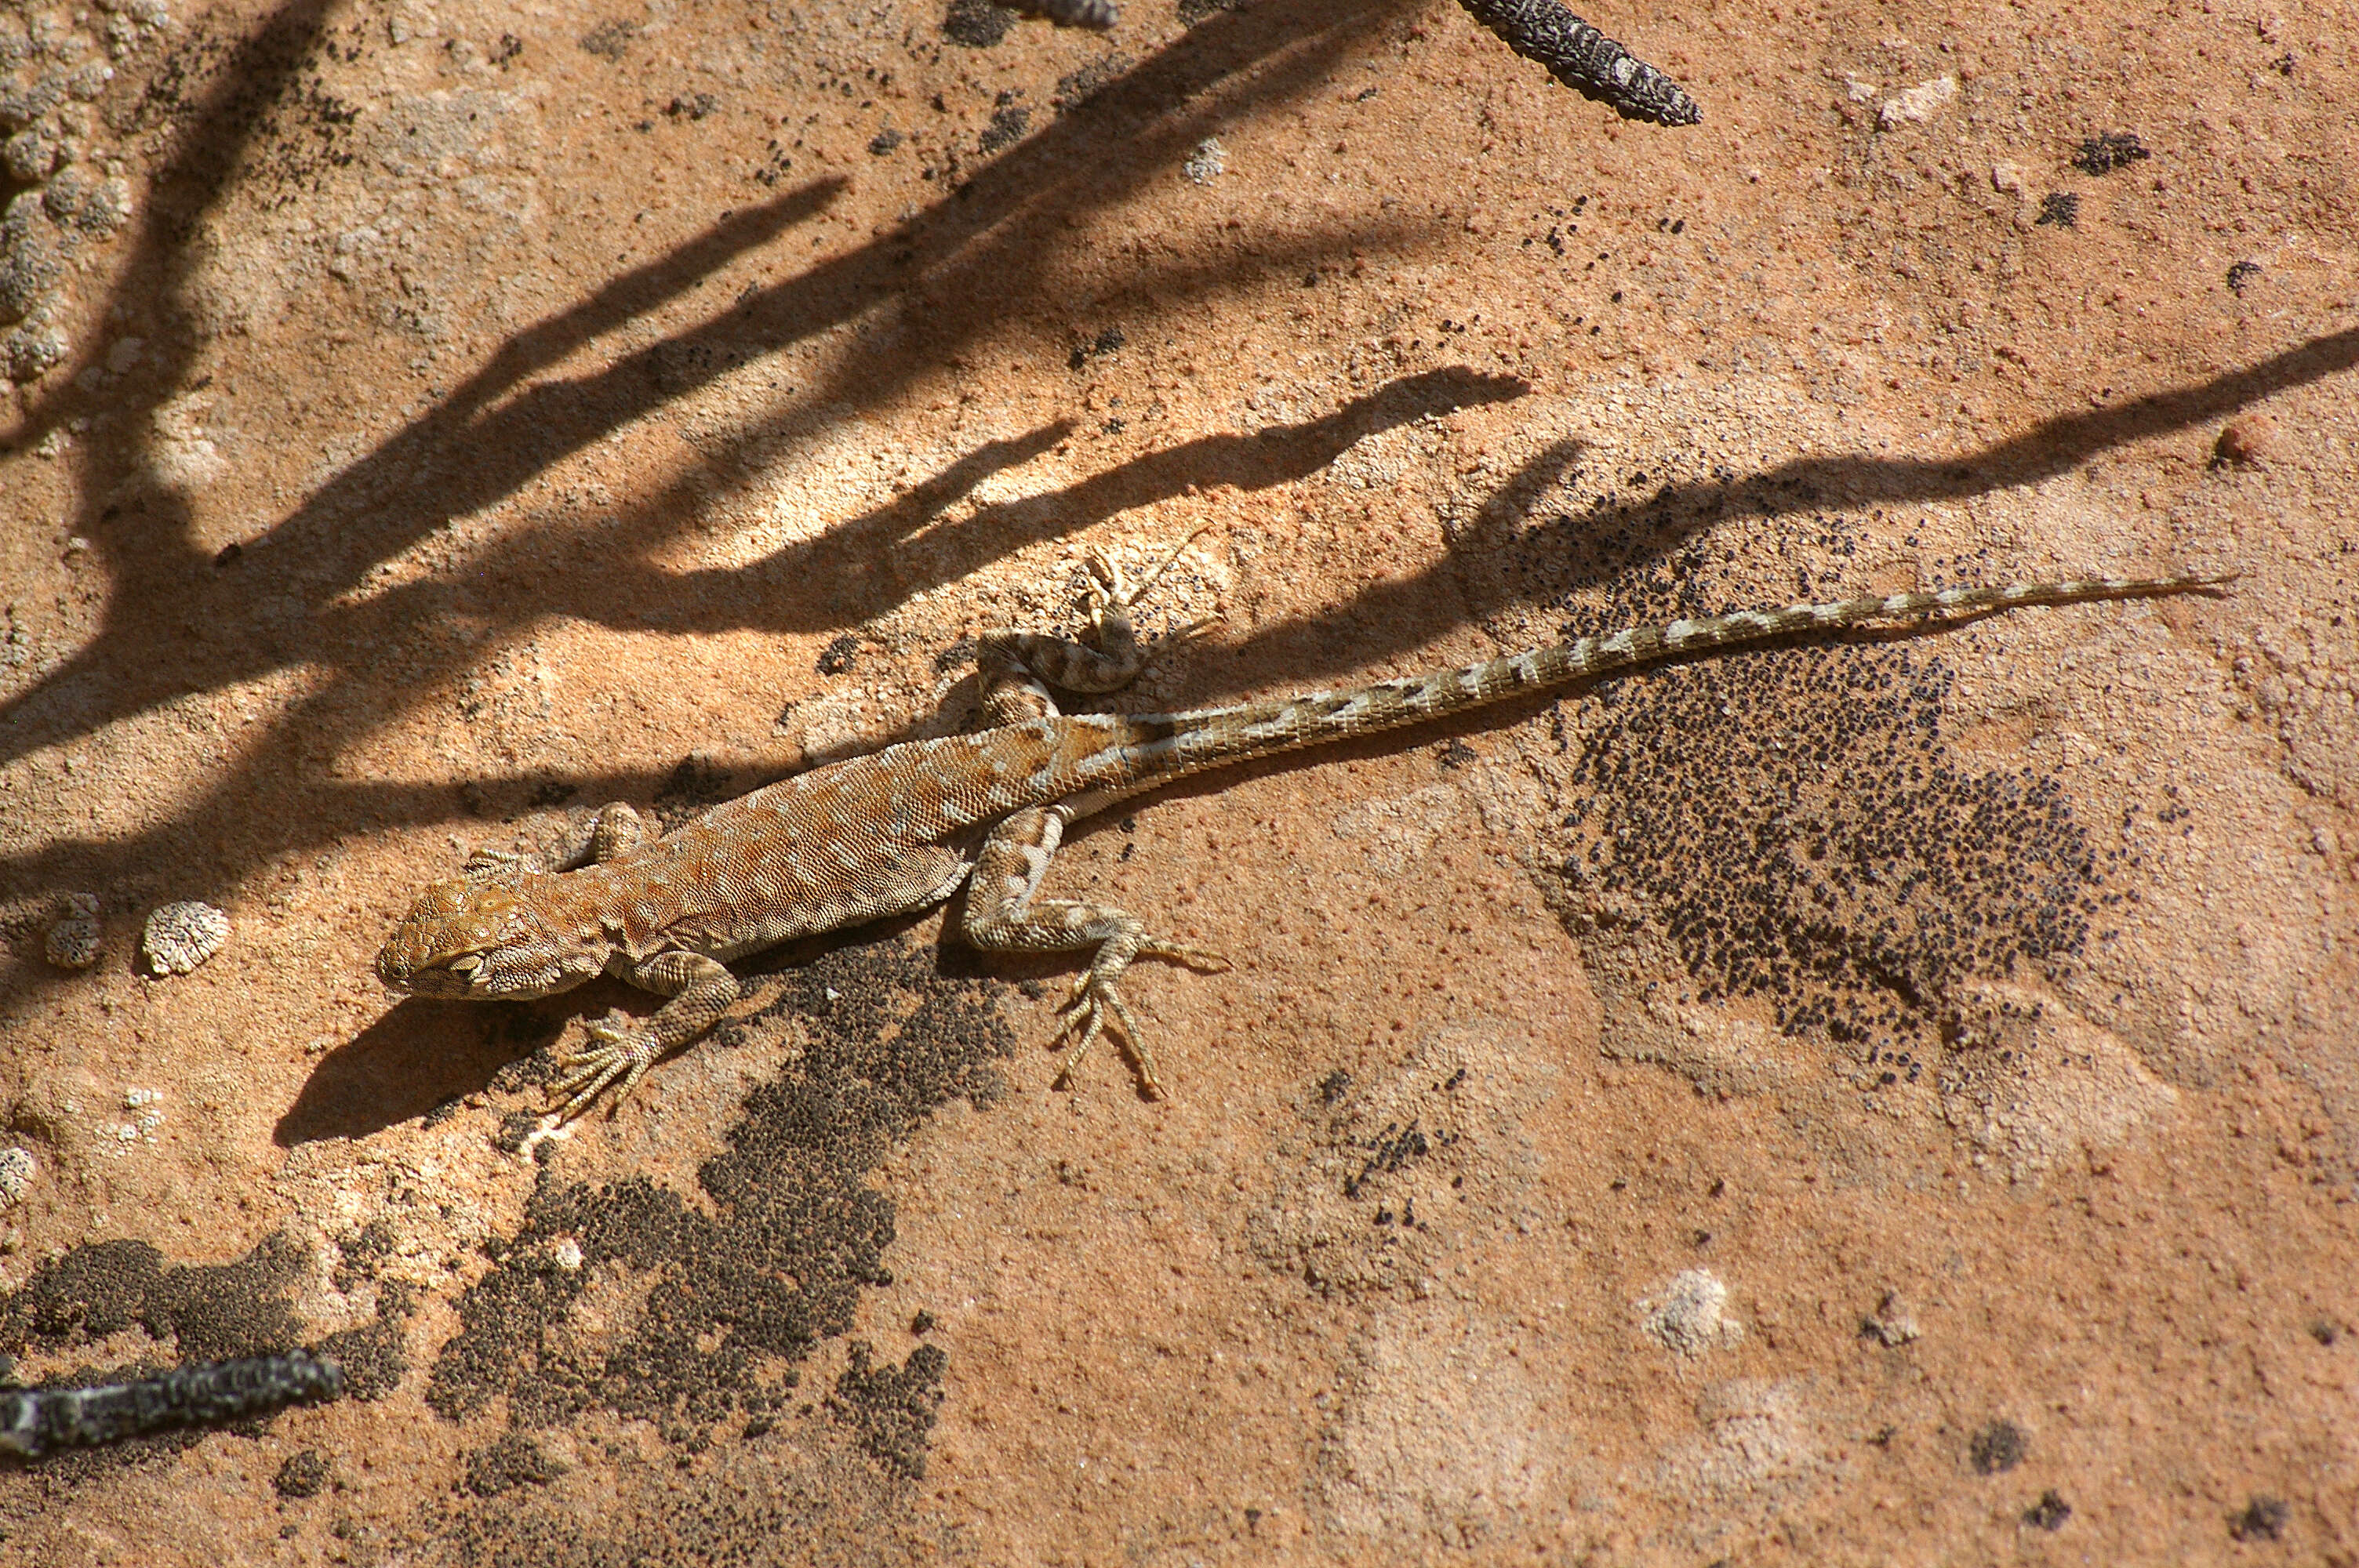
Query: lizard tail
(1214, 737)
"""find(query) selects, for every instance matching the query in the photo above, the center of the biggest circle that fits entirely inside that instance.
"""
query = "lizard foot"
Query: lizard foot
(622, 1051)
(1086, 1011)
(1094, 996)
(483, 865)
(1111, 595)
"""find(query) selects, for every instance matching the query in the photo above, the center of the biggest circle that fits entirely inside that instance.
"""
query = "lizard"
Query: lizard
(899, 830)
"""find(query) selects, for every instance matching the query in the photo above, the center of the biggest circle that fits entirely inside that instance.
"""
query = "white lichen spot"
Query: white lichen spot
(146, 1107)
(1210, 162)
(17, 1168)
(1690, 1315)
(75, 940)
(182, 935)
(1920, 104)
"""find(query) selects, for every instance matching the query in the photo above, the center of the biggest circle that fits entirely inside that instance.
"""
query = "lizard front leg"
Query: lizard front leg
(1003, 915)
(1016, 664)
(701, 990)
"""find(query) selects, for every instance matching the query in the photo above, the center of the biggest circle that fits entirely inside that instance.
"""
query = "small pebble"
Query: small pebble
(2251, 439)
(17, 1168)
(74, 941)
(182, 935)
(1919, 104)
(1891, 1324)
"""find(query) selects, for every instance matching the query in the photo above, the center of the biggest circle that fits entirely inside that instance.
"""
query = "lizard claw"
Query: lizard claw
(623, 1051)
(1187, 633)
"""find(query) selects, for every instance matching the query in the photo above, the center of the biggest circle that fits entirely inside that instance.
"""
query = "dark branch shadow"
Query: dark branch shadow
(872, 575)
(1391, 618)
(472, 452)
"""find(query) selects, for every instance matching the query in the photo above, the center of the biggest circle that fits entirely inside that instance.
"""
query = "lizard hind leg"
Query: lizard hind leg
(1003, 915)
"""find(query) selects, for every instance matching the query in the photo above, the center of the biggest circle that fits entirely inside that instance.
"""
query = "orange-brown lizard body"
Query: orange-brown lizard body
(904, 829)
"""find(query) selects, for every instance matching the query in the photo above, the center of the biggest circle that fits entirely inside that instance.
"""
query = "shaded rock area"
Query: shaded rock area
(1883, 1097)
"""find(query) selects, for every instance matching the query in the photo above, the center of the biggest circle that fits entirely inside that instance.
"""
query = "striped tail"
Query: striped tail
(1171, 745)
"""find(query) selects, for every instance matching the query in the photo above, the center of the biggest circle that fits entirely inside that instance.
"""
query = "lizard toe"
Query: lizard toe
(616, 1027)
(1202, 958)
(621, 1053)
(1093, 1000)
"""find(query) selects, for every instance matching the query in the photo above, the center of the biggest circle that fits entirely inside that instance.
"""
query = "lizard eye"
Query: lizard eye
(467, 964)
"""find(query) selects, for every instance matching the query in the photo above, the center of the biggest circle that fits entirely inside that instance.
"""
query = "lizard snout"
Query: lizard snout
(441, 944)
(474, 939)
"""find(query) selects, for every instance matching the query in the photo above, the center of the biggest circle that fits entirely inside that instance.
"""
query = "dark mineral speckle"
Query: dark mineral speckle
(1997, 1448)
(1006, 128)
(513, 1461)
(976, 23)
(840, 656)
(305, 1475)
(2262, 1518)
(2113, 150)
(195, 1314)
(207, 1312)
(892, 1407)
(1796, 821)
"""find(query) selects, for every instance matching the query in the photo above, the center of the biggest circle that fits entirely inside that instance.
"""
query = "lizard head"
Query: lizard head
(474, 939)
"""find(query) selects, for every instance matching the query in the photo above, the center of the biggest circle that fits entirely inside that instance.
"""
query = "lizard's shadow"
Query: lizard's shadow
(421, 1054)
(426, 1052)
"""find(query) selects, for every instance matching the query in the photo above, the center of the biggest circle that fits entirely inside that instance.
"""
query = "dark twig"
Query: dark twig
(35, 1421)
(1586, 60)
(1540, 30)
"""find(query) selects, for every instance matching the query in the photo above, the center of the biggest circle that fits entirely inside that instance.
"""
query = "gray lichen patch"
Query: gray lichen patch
(179, 936)
(78, 937)
(1689, 1316)
(68, 84)
(32, 255)
(17, 1167)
